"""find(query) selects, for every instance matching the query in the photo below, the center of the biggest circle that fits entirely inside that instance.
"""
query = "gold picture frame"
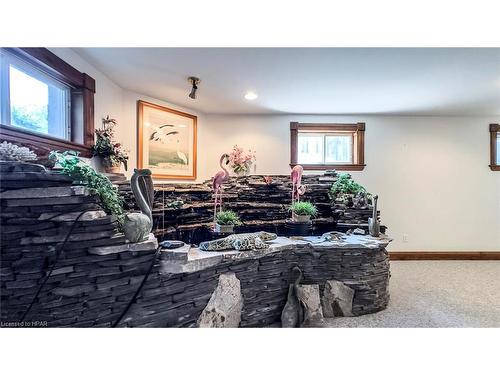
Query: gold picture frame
(166, 141)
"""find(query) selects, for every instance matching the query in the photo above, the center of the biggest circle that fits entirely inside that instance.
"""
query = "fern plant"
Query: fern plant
(304, 209)
(227, 218)
(345, 185)
(96, 182)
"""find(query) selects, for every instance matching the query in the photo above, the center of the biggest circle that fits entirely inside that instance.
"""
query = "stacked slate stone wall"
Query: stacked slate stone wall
(178, 300)
(185, 211)
(98, 272)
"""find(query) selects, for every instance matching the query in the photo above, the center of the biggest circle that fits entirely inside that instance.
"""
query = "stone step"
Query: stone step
(47, 192)
(150, 244)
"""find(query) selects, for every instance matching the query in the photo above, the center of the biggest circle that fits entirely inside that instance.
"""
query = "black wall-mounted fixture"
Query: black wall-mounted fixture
(194, 81)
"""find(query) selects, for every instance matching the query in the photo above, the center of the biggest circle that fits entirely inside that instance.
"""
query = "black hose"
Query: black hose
(58, 254)
(132, 300)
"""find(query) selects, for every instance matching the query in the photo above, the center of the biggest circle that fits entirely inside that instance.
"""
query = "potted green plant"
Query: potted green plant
(302, 211)
(345, 188)
(111, 154)
(225, 221)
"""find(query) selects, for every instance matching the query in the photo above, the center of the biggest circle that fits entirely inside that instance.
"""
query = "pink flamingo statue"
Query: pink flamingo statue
(297, 188)
(217, 181)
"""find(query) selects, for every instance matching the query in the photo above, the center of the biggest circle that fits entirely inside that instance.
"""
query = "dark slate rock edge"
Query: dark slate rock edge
(91, 290)
(260, 206)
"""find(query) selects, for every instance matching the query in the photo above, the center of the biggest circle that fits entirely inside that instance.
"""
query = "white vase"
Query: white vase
(242, 173)
(301, 218)
(229, 228)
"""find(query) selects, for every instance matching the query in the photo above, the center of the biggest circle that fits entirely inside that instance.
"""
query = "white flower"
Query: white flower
(11, 152)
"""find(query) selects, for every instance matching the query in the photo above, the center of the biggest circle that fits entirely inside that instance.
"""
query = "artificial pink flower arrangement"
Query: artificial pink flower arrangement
(241, 161)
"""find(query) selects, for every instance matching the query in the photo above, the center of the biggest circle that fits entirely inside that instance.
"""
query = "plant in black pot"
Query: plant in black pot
(302, 211)
(225, 221)
(111, 154)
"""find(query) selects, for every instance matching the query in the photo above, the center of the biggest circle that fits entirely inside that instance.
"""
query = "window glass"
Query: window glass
(325, 148)
(33, 100)
(338, 148)
(498, 148)
(29, 102)
(310, 148)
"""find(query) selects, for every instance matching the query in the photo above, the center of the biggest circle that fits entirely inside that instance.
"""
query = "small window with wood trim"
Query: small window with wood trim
(45, 104)
(495, 147)
(327, 146)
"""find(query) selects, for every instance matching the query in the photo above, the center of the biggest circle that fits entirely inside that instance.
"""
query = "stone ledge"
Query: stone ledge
(71, 216)
(47, 192)
(150, 244)
(180, 254)
(75, 237)
(198, 260)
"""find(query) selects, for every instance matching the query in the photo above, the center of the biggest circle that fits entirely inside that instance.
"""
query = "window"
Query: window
(495, 147)
(327, 146)
(45, 104)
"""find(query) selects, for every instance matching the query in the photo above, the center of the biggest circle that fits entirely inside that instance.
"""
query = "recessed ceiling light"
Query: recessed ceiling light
(250, 95)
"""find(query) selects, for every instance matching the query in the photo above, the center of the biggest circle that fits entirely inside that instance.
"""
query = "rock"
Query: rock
(49, 192)
(224, 307)
(19, 166)
(77, 199)
(308, 296)
(148, 245)
(75, 237)
(71, 216)
(337, 299)
(291, 314)
(73, 291)
(62, 270)
(358, 231)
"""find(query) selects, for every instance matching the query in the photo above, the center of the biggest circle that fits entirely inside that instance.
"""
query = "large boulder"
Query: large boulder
(308, 296)
(224, 307)
(337, 299)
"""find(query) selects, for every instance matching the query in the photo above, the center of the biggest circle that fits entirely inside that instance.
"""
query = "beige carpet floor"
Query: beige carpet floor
(437, 294)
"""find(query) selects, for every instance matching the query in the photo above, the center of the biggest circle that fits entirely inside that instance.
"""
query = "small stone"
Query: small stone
(224, 307)
(62, 270)
(73, 291)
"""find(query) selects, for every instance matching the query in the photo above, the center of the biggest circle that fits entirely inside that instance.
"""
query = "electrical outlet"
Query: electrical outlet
(405, 237)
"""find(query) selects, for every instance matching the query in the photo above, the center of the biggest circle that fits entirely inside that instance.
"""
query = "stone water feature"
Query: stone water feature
(185, 211)
(98, 271)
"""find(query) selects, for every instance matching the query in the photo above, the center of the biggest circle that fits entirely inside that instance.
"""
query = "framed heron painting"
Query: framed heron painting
(166, 141)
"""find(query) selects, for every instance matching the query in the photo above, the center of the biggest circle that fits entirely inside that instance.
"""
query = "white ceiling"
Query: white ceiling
(426, 81)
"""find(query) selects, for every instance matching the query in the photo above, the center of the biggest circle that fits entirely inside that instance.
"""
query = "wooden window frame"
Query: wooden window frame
(494, 130)
(358, 152)
(80, 83)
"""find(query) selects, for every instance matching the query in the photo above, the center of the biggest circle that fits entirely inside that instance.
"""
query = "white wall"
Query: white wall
(108, 96)
(111, 99)
(431, 173)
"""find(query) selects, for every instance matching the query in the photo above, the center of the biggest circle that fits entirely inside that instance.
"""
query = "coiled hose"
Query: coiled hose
(58, 254)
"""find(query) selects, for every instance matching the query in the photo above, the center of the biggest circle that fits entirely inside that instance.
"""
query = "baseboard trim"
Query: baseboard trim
(444, 255)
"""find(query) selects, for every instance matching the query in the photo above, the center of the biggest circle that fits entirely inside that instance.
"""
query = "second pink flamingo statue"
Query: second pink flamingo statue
(297, 188)
(217, 181)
